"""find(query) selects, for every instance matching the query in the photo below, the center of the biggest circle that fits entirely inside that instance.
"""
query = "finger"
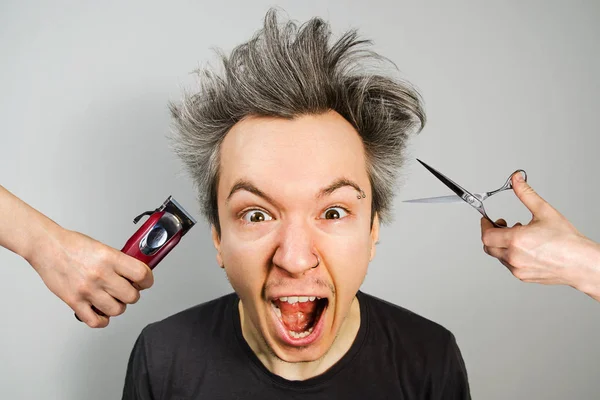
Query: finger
(122, 290)
(485, 224)
(135, 271)
(500, 254)
(495, 237)
(529, 197)
(512, 269)
(85, 314)
(496, 252)
(107, 304)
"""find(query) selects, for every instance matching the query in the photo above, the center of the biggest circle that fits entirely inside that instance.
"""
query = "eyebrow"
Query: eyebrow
(244, 184)
(338, 184)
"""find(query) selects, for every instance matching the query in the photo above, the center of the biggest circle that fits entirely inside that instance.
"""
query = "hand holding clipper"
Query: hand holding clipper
(162, 231)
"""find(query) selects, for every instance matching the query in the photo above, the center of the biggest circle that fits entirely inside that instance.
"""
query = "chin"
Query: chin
(302, 355)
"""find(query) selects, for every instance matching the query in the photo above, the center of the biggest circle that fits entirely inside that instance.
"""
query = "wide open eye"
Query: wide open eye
(334, 213)
(255, 216)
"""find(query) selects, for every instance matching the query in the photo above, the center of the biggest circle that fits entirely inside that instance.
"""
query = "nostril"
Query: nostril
(296, 264)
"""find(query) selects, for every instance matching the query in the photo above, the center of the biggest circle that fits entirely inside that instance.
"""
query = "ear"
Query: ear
(217, 244)
(374, 236)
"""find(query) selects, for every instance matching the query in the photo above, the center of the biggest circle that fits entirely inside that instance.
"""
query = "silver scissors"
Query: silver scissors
(475, 200)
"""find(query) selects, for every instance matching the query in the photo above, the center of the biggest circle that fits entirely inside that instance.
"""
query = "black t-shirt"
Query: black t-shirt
(200, 353)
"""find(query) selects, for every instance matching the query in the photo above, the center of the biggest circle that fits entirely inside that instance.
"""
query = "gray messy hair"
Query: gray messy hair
(287, 71)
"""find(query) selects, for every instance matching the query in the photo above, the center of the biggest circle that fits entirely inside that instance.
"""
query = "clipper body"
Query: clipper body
(152, 242)
(159, 234)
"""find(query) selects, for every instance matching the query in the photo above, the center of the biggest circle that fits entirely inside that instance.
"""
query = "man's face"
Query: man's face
(293, 194)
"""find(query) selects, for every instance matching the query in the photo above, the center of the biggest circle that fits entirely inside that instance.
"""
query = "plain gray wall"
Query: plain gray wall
(508, 85)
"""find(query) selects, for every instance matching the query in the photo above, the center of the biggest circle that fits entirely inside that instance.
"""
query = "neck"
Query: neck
(309, 369)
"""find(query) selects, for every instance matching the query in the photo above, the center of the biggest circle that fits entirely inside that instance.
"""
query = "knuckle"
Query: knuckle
(95, 323)
(150, 276)
(515, 241)
(519, 274)
(103, 323)
(84, 288)
(103, 252)
(511, 257)
(72, 300)
(485, 238)
(140, 272)
(95, 274)
(121, 308)
(131, 297)
(528, 190)
(117, 309)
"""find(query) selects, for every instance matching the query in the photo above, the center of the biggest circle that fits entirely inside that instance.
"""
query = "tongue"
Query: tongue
(297, 317)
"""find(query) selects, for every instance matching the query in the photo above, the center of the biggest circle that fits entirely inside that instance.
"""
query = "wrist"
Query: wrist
(587, 272)
(42, 243)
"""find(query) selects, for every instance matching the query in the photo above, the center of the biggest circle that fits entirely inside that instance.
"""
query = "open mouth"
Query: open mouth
(300, 316)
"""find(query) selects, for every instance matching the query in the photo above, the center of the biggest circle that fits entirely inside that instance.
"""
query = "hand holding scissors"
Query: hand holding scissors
(548, 250)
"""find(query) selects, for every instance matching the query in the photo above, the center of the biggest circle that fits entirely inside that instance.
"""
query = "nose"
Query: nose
(295, 252)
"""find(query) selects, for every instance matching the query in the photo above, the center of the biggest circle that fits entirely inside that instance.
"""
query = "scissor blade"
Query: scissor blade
(443, 199)
(440, 199)
(447, 181)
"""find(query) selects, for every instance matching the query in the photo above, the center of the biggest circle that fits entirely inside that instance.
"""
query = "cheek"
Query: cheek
(245, 265)
(348, 260)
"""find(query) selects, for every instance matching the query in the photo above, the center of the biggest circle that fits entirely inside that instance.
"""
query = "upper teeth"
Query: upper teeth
(296, 299)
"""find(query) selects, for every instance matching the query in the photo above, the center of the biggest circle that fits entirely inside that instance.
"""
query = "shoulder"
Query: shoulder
(192, 323)
(403, 326)
(190, 339)
(420, 353)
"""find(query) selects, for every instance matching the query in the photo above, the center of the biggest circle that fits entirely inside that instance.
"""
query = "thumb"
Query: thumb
(533, 201)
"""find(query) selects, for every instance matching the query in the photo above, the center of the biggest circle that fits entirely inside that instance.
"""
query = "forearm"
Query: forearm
(22, 227)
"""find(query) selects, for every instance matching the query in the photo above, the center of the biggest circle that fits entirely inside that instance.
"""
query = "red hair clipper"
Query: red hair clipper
(158, 235)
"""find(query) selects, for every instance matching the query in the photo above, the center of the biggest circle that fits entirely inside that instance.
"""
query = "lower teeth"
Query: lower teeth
(301, 334)
(296, 335)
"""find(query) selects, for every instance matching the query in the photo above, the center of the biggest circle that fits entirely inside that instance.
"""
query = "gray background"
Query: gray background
(508, 85)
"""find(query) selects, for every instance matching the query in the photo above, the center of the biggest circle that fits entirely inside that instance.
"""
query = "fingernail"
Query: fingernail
(520, 177)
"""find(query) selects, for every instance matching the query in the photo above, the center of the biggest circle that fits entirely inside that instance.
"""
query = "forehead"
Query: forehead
(306, 152)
